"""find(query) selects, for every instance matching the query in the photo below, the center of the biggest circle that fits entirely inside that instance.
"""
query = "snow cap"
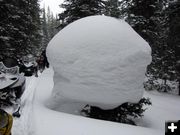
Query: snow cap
(98, 60)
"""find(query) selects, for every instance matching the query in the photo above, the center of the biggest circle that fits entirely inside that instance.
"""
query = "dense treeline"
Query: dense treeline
(157, 21)
(49, 26)
(24, 28)
(19, 27)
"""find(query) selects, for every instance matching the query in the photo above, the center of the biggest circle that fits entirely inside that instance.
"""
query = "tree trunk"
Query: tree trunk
(165, 86)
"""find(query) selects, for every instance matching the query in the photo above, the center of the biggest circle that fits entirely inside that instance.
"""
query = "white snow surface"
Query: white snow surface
(38, 119)
(98, 60)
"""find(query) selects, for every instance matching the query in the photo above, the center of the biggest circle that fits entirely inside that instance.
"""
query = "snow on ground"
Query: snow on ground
(21, 125)
(164, 107)
(38, 119)
(98, 60)
(48, 121)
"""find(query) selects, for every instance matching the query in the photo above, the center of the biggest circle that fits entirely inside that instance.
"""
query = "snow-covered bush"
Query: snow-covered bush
(124, 113)
(151, 84)
(161, 85)
(100, 61)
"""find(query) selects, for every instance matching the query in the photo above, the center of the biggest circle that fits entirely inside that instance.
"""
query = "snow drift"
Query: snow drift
(98, 60)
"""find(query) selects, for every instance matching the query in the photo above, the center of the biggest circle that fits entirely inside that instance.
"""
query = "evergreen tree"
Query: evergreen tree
(12, 33)
(124, 113)
(163, 53)
(45, 34)
(35, 26)
(150, 20)
(19, 27)
(162, 63)
(76, 9)
(49, 27)
(112, 8)
(51, 22)
(174, 35)
(139, 16)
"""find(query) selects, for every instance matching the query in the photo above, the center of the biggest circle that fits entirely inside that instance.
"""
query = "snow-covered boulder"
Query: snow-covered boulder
(100, 61)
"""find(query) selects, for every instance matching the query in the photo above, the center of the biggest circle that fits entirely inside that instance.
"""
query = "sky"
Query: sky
(53, 4)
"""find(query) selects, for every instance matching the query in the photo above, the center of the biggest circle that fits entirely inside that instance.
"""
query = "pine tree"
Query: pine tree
(124, 113)
(174, 35)
(12, 33)
(49, 26)
(51, 22)
(140, 13)
(76, 9)
(45, 34)
(112, 8)
(150, 20)
(160, 51)
(35, 26)
(19, 34)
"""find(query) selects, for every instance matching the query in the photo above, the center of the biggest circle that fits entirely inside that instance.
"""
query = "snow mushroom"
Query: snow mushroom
(98, 60)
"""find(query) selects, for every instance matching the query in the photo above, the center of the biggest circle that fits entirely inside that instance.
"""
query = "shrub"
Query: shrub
(123, 113)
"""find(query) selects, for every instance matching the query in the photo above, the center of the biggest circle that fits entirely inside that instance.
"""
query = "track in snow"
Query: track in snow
(21, 125)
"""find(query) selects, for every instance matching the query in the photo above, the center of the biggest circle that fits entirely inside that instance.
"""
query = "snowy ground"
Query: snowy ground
(38, 119)
(21, 125)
